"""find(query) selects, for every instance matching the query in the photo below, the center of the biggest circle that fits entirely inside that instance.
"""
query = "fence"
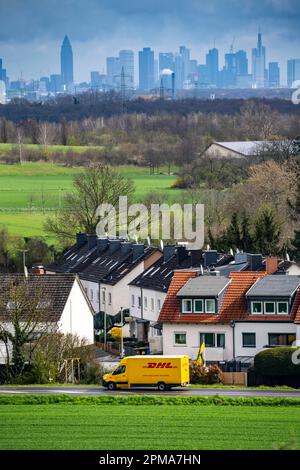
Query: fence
(234, 378)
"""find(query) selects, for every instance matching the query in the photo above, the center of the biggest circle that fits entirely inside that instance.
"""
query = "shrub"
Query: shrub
(92, 374)
(276, 362)
(204, 375)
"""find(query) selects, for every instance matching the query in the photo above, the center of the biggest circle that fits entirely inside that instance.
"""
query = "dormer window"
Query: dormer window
(198, 306)
(210, 306)
(282, 308)
(256, 308)
(269, 308)
(187, 306)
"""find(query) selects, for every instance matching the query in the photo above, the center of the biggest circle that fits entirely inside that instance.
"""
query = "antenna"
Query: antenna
(161, 245)
(207, 247)
(287, 256)
(231, 251)
(201, 270)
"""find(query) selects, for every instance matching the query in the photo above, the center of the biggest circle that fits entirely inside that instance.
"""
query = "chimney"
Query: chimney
(113, 246)
(126, 247)
(81, 239)
(38, 270)
(92, 241)
(169, 251)
(196, 258)
(138, 250)
(240, 258)
(181, 254)
(210, 258)
(271, 264)
(255, 261)
(102, 244)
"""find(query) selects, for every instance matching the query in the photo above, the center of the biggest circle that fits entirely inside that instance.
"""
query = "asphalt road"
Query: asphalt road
(95, 391)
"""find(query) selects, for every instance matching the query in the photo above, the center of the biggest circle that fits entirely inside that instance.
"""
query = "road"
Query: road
(95, 391)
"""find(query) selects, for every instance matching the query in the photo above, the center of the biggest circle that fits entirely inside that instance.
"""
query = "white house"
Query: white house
(64, 304)
(235, 317)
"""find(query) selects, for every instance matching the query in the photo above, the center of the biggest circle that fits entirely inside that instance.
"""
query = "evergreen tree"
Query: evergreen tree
(233, 234)
(267, 232)
(296, 245)
(246, 237)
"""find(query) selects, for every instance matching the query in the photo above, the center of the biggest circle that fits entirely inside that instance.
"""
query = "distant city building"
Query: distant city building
(2, 92)
(293, 71)
(146, 69)
(126, 60)
(274, 75)
(3, 76)
(185, 54)
(166, 61)
(203, 76)
(259, 64)
(55, 83)
(212, 64)
(66, 62)
(113, 71)
(179, 72)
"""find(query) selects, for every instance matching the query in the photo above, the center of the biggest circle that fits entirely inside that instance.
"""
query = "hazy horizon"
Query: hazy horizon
(31, 35)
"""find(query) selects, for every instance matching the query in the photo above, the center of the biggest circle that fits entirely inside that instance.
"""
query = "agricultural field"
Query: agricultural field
(148, 427)
(29, 191)
(5, 148)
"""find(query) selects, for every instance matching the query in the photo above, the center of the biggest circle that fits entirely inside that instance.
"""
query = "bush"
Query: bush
(204, 375)
(276, 362)
(92, 374)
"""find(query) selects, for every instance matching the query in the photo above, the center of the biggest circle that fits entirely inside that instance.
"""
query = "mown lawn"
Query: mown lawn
(90, 426)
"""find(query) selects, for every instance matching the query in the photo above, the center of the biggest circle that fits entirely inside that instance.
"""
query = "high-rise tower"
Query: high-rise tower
(66, 62)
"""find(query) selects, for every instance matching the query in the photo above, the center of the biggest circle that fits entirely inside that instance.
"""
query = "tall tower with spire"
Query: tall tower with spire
(66, 62)
(259, 63)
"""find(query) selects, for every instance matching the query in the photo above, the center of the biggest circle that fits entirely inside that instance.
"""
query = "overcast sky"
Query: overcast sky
(31, 31)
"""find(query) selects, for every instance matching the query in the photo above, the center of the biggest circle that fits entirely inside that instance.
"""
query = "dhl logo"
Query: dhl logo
(159, 365)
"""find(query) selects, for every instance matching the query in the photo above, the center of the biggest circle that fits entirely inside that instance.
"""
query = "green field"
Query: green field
(149, 427)
(5, 148)
(29, 191)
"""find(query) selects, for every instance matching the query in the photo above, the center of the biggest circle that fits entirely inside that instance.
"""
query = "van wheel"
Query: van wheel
(161, 386)
(111, 386)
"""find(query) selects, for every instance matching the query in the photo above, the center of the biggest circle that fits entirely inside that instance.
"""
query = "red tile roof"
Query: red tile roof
(234, 306)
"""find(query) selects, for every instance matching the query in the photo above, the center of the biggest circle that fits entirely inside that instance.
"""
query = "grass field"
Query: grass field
(149, 427)
(36, 187)
(4, 148)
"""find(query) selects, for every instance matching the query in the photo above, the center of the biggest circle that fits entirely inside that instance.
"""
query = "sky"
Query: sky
(31, 31)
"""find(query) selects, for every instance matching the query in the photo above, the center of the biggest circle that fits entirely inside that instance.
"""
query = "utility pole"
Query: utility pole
(161, 90)
(104, 318)
(122, 342)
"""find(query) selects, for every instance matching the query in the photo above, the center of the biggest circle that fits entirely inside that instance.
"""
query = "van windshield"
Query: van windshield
(120, 370)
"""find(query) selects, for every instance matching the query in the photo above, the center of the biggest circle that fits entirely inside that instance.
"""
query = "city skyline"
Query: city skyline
(29, 42)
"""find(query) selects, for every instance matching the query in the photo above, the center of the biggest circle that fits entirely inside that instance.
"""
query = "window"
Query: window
(187, 306)
(120, 370)
(109, 298)
(139, 302)
(208, 339)
(103, 296)
(152, 304)
(180, 339)
(281, 339)
(282, 308)
(249, 340)
(92, 294)
(132, 300)
(212, 340)
(145, 302)
(220, 340)
(270, 308)
(158, 305)
(210, 306)
(198, 306)
(256, 308)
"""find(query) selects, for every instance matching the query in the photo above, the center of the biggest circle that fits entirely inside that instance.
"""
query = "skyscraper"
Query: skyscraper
(293, 71)
(146, 69)
(212, 63)
(274, 75)
(126, 58)
(259, 63)
(185, 54)
(66, 62)
(113, 71)
(166, 61)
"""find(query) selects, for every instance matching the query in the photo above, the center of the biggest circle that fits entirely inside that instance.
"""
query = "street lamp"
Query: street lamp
(104, 302)
(122, 343)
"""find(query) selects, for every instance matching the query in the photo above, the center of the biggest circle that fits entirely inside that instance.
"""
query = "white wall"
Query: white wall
(193, 340)
(153, 299)
(77, 317)
(262, 330)
(92, 291)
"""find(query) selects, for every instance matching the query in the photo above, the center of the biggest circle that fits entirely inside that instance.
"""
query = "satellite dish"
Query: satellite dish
(287, 256)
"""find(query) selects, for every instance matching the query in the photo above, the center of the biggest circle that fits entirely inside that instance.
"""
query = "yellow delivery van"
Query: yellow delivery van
(162, 372)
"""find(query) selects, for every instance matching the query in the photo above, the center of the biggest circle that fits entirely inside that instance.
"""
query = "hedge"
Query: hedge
(276, 362)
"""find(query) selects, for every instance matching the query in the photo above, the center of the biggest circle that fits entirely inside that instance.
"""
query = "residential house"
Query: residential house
(236, 317)
(65, 306)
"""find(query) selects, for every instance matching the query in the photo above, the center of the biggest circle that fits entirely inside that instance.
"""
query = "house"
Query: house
(105, 267)
(236, 317)
(240, 149)
(65, 306)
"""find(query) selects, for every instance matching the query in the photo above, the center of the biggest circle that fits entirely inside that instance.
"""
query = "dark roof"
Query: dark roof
(50, 291)
(204, 286)
(73, 259)
(158, 277)
(275, 286)
(111, 268)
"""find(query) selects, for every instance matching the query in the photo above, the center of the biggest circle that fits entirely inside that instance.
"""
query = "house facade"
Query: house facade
(66, 308)
(235, 317)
